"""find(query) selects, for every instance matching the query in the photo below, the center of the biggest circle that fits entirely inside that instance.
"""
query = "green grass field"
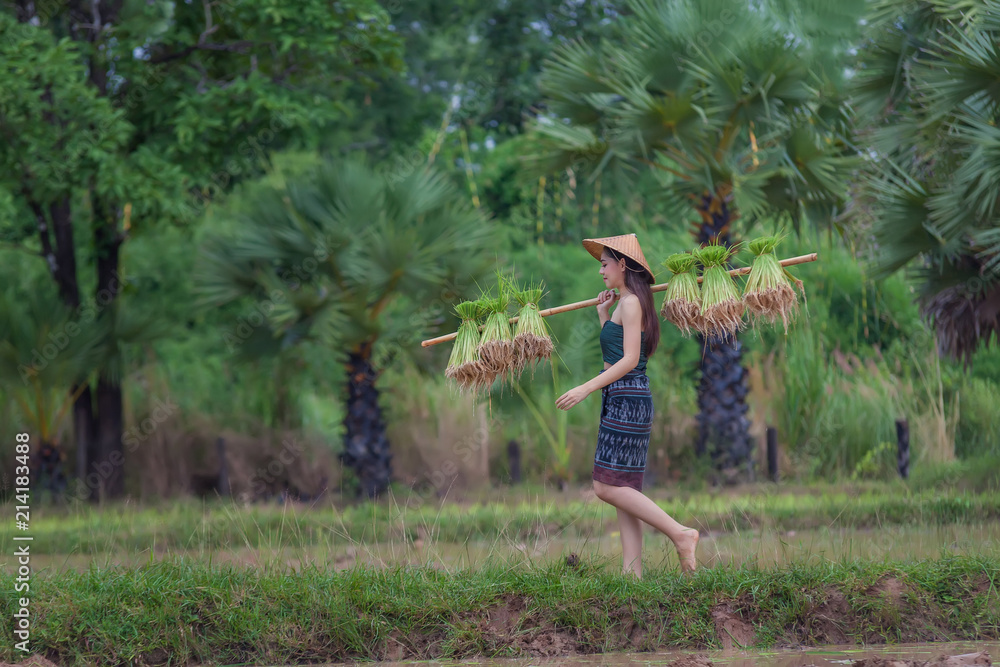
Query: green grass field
(517, 517)
(187, 610)
(489, 575)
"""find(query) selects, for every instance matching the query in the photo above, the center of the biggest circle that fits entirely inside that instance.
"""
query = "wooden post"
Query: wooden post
(772, 453)
(903, 446)
(514, 459)
(223, 483)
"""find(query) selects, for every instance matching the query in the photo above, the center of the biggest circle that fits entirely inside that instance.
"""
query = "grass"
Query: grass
(185, 611)
(766, 548)
(190, 524)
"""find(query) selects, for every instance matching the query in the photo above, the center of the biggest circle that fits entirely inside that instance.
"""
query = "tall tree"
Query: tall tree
(738, 105)
(360, 265)
(481, 57)
(118, 115)
(928, 106)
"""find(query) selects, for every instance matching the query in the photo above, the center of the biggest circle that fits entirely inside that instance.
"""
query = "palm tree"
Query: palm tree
(928, 106)
(739, 106)
(44, 350)
(50, 354)
(363, 264)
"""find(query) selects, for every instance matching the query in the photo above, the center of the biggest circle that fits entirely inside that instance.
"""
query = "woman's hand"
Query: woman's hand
(605, 300)
(572, 397)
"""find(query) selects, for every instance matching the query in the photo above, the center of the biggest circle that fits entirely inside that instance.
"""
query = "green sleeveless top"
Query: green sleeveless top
(613, 345)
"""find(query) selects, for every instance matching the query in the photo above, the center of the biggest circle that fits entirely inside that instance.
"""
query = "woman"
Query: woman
(628, 338)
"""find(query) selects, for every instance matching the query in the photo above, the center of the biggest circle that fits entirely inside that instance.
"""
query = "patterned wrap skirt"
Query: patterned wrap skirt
(623, 438)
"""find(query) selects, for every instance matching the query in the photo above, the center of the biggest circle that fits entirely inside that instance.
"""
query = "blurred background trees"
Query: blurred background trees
(163, 163)
(740, 109)
(358, 267)
(928, 106)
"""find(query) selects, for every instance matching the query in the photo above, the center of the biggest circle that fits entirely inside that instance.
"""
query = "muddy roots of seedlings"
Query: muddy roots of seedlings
(721, 306)
(682, 301)
(531, 348)
(684, 314)
(496, 358)
(722, 319)
(463, 365)
(467, 375)
(769, 295)
(771, 304)
(531, 336)
(497, 355)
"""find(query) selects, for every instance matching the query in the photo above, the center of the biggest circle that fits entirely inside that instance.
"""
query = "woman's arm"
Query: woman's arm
(632, 334)
(632, 326)
(604, 302)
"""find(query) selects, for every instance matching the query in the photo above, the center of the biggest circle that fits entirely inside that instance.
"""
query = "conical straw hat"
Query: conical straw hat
(626, 244)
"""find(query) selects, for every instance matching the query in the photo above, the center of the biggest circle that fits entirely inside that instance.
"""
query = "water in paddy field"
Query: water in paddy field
(826, 656)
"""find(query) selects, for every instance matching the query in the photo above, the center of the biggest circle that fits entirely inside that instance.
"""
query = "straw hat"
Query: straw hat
(626, 244)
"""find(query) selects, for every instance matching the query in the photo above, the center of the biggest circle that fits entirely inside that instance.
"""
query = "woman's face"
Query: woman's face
(612, 271)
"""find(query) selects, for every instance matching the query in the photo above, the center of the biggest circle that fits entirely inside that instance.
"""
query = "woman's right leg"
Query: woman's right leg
(630, 529)
(634, 502)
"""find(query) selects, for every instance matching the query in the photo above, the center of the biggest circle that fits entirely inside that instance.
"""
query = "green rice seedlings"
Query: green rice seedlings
(532, 341)
(496, 347)
(464, 365)
(769, 294)
(721, 306)
(682, 303)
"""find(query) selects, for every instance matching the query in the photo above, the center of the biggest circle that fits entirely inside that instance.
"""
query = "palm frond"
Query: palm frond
(967, 73)
(561, 146)
(988, 243)
(335, 251)
(902, 229)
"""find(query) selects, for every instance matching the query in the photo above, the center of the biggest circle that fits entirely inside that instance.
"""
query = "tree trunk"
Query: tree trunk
(84, 423)
(366, 445)
(110, 456)
(61, 259)
(85, 431)
(723, 427)
(109, 453)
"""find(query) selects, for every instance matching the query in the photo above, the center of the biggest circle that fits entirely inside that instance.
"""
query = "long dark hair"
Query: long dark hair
(637, 282)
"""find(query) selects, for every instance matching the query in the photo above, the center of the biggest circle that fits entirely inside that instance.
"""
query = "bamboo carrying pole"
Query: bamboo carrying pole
(791, 261)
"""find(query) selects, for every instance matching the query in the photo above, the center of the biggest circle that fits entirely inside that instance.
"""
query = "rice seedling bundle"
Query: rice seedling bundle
(769, 294)
(464, 365)
(682, 303)
(496, 347)
(721, 306)
(532, 342)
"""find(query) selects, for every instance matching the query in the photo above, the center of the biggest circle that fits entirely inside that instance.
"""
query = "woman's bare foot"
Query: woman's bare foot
(687, 546)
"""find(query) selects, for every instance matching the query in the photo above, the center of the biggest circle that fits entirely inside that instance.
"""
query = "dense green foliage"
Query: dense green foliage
(756, 124)
(141, 150)
(927, 109)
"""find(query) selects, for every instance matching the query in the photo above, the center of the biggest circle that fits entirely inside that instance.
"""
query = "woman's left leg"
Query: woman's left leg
(637, 504)
(630, 529)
